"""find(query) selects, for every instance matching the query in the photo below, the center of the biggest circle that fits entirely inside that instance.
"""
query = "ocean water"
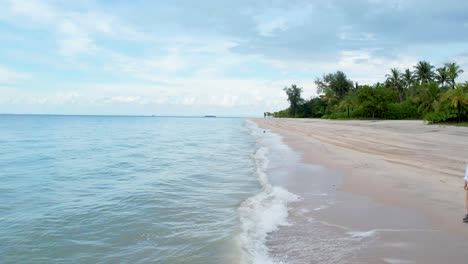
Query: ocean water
(100, 189)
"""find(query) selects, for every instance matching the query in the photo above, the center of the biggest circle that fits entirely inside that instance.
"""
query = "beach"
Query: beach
(269, 191)
(402, 180)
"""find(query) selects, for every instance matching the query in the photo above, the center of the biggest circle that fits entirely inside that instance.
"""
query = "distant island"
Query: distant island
(210, 116)
(425, 92)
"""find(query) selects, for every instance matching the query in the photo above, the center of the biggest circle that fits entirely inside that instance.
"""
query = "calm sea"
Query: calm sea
(99, 189)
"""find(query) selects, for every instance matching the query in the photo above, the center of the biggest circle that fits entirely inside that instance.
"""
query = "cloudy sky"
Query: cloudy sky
(209, 57)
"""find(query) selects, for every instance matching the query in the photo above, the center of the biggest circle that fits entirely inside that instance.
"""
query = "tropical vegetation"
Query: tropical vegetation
(424, 92)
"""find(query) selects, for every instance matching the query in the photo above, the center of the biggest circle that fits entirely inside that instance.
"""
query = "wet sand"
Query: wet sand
(398, 196)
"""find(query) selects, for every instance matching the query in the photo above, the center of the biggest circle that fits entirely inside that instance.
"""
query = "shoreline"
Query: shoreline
(404, 167)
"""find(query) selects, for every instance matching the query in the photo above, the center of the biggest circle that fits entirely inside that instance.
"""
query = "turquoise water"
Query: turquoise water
(92, 189)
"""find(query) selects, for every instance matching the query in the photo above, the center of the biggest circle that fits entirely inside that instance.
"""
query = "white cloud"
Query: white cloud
(348, 34)
(36, 10)
(146, 68)
(362, 65)
(10, 76)
(173, 56)
(233, 94)
(7, 36)
(188, 56)
(74, 40)
(383, 5)
(275, 20)
(124, 99)
(57, 98)
(75, 31)
(462, 60)
(351, 57)
(267, 27)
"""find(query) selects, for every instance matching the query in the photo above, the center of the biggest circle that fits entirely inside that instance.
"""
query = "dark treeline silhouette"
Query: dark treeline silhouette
(422, 93)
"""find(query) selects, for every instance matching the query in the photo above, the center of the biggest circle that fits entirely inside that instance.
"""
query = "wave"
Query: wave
(263, 213)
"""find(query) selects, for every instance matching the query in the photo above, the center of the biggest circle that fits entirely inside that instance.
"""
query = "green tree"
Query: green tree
(408, 82)
(374, 101)
(348, 102)
(337, 83)
(453, 70)
(394, 80)
(317, 107)
(294, 98)
(407, 78)
(427, 98)
(442, 76)
(458, 98)
(465, 86)
(404, 95)
(330, 99)
(423, 72)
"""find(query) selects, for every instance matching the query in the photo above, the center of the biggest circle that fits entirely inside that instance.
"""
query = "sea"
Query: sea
(117, 189)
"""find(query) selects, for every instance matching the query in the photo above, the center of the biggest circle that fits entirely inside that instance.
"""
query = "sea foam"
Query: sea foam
(263, 213)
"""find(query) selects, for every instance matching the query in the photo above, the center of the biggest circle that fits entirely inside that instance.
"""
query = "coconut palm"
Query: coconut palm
(423, 72)
(407, 78)
(408, 82)
(457, 98)
(394, 77)
(347, 102)
(394, 80)
(330, 98)
(453, 71)
(428, 97)
(442, 76)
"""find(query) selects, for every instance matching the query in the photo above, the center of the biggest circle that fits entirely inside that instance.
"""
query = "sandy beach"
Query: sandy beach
(405, 165)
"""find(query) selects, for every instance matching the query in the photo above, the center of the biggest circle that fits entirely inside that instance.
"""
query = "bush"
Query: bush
(283, 113)
(336, 115)
(405, 110)
(446, 113)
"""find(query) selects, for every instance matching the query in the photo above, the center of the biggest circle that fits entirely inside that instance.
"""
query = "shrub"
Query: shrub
(446, 113)
(405, 110)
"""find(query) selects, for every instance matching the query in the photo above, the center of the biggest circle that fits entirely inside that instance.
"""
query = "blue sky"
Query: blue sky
(209, 57)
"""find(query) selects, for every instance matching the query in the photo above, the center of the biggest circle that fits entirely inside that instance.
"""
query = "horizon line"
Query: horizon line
(123, 115)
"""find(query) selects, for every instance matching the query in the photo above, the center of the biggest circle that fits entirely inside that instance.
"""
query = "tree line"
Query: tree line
(425, 92)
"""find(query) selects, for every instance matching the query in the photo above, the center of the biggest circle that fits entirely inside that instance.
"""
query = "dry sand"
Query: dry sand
(403, 164)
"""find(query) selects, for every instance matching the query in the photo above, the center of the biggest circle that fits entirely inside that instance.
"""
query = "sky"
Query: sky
(230, 58)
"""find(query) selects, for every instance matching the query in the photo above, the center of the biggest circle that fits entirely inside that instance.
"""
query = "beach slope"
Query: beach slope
(397, 163)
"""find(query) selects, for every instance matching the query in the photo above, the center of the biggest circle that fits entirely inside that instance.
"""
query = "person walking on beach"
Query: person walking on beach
(466, 199)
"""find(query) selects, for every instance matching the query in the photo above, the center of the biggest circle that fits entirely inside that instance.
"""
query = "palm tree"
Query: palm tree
(347, 102)
(423, 72)
(330, 98)
(428, 97)
(442, 76)
(457, 98)
(394, 79)
(453, 70)
(408, 81)
(407, 78)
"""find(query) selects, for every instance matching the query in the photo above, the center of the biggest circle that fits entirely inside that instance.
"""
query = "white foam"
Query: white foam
(370, 233)
(316, 194)
(262, 213)
(362, 234)
(397, 245)
(321, 208)
(396, 261)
